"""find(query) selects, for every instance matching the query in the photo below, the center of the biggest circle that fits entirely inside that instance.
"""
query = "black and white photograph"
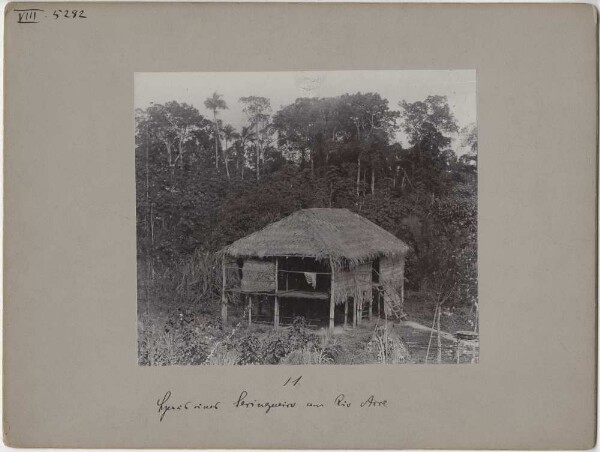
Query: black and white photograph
(307, 217)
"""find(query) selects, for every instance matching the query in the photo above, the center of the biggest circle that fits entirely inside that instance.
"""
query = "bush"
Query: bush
(388, 347)
(311, 353)
(307, 355)
(221, 355)
(158, 347)
(245, 347)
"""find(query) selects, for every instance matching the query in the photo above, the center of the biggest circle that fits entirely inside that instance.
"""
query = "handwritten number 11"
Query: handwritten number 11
(294, 382)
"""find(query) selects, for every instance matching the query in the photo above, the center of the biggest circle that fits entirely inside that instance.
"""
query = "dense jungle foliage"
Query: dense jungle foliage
(201, 184)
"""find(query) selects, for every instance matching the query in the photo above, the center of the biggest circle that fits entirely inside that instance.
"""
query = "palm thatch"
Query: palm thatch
(336, 235)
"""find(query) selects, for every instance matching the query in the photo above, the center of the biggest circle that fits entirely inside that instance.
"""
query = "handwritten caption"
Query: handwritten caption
(35, 15)
(168, 404)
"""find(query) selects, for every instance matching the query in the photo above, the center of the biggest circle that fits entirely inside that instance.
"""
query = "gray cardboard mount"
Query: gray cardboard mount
(70, 373)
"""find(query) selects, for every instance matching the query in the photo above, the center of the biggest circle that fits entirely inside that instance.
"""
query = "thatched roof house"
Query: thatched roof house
(323, 234)
(327, 254)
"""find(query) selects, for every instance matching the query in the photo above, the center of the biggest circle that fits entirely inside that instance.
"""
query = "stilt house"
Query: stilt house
(317, 263)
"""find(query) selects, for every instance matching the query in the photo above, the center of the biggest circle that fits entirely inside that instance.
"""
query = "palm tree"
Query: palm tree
(215, 103)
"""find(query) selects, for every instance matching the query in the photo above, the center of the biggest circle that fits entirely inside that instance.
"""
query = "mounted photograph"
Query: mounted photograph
(307, 217)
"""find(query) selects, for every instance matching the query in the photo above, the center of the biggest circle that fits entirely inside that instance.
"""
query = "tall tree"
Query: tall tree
(172, 126)
(429, 126)
(244, 138)
(428, 123)
(258, 110)
(371, 124)
(469, 141)
(214, 104)
(229, 135)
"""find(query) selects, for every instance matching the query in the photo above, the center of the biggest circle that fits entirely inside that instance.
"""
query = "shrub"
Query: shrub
(221, 355)
(388, 346)
(248, 347)
(308, 354)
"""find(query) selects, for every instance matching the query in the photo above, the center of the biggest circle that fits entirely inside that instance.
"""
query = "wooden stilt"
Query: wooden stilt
(354, 312)
(370, 308)
(249, 310)
(402, 296)
(332, 299)
(346, 312)
(359, 314)
(223, 295)
(276, 313)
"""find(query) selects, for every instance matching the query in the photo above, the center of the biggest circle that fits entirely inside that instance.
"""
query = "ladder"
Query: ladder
(395, 309)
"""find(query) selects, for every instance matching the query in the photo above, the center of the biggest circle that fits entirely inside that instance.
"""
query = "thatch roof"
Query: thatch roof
(323, 234)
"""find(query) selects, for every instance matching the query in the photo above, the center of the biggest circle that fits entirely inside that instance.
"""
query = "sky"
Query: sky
(283, 88)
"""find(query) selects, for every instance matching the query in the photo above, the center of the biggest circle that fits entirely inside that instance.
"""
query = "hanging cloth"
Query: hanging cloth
(311, 278)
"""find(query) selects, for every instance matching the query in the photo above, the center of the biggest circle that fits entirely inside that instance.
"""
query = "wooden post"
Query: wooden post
(332, 299)
(223, 296)
(371, 308)
(276, 314)
(402, 296)
(359, 315)
(354, 311)
(346, 312)
(249, 310)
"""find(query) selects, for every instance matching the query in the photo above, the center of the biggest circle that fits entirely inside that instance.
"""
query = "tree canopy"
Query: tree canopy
(339, 151)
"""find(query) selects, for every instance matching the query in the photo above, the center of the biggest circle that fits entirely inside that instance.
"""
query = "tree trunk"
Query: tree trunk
(372, 180)
(223, 295)
(169, 153)
(257, 163)
(243, 162)
(358, 179)
(225, 159)
(180, 154)
(216, 140)
(151, 225)
(332, 299)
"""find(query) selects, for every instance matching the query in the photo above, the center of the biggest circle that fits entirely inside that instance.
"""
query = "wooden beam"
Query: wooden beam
(360, 312)
(249, 310)
(402, 295)
(276, 312)
(223, 295)
(332, 299)
(346, 312)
